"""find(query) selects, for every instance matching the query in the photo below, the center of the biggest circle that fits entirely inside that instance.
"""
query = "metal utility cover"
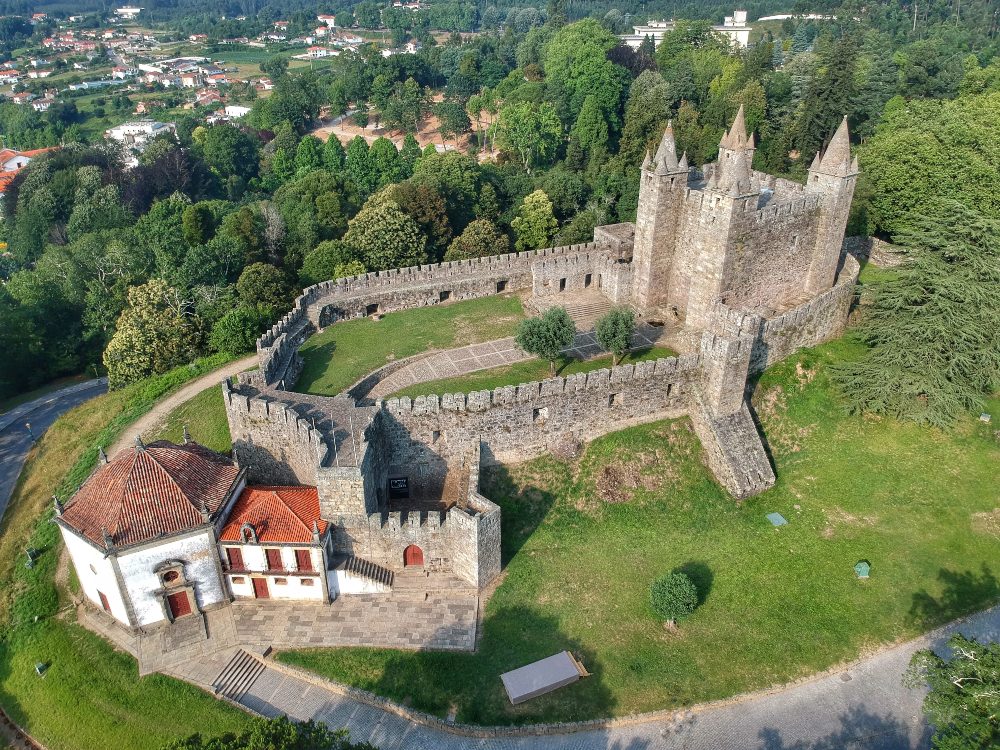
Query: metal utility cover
(541, 677)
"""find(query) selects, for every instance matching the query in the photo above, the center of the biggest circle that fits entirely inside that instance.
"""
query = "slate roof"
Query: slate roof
(277, 514)
(149, 492)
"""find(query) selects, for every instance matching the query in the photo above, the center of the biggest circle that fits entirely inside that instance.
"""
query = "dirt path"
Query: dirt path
(150, 423)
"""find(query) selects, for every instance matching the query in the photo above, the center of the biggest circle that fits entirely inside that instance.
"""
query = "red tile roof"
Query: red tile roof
(37, 151)
(277, 514)
(146, 493)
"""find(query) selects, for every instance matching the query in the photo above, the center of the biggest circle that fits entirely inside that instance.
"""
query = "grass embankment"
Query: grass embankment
(347, 351)
(91, 696)
(583, 541)
(527, 372)
(205, 417)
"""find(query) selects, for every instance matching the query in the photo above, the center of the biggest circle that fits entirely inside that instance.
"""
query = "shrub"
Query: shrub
(673, 597)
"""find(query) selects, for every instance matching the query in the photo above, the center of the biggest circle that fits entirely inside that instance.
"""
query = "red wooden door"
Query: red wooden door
(273, 559)
(303, 560)
(235, 557)
(260, 588)
(104, 601)
(413, 556)
(180, 604)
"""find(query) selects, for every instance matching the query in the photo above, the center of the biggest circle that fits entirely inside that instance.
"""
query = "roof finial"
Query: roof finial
(58, 505)
(315, 531)
(186, 434)
(647, 161)
(109, 543)
(139, 445)
(205, 514)
(102, 455)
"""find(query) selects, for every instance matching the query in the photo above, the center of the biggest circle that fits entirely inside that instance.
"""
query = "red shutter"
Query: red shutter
(303, 560)
(180, 604)
(104, 601)
(235, 556)
(273, 559)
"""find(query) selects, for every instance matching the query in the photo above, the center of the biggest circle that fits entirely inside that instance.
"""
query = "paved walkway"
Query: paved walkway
(465, 359)
(151, 422)
(16, 441)
(865, 706)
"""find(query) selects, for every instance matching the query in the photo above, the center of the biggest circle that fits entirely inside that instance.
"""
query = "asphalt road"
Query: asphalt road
(15, 439)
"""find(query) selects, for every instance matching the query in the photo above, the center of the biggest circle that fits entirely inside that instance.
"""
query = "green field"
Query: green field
(526, 372)
(582, 541)
(91, 697)
(346, 352)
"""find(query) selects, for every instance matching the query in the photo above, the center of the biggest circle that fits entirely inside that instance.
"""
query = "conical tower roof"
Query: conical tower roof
(666, 154)
(837, 157)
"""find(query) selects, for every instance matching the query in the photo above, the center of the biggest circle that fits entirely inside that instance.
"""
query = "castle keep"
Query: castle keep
(734, 268)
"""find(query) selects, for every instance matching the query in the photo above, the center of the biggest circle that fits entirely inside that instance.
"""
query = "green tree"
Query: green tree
(274, 67)
(614, 332)
(533, 131)
(534, 224)
(410, 153)
(546, 336)
(933, 326)
(275, 734)
(453, 120)
(828, 97)
(333, 154)
(427, 207)
(964, 697)
(263, 284)
(198, 224)
(385, 162)
(385, 236)
(236, 332)
(229, 151)
(309, 154)
(480, 238)
(590, 132)
(332, 259)
(157, 331)
(673, 597)
(359, 166)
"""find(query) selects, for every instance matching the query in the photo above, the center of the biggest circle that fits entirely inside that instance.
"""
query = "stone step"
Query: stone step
(238, 676)
(368, 569)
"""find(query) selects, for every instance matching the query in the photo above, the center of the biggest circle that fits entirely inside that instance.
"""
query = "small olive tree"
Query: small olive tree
(547, 335)
(673, 596)
(614, 332)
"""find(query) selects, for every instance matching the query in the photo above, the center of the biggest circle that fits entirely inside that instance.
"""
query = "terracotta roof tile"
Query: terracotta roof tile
(277, 514)
(146, 493)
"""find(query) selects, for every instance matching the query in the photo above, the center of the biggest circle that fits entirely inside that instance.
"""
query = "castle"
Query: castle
(738, 268)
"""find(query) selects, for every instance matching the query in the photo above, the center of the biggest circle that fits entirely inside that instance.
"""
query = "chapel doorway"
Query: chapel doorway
(180, 604)
(260, 588)
(413, 557)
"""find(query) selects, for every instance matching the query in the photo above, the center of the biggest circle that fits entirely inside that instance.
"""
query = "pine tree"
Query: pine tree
(933, 326)
(828, 97)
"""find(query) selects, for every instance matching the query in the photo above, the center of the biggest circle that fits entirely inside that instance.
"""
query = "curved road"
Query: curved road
(15, 439)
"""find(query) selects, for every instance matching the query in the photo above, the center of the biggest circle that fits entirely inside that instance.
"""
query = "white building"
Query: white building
(137, 134)
(734, 27)
(236, 111)
(128, 13)
(164, 532)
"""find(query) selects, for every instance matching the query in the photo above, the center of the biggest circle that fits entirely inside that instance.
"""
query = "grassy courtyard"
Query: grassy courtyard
(582, 541)
(91, 696)
(344, 353)
(205, 417)
(527, 372)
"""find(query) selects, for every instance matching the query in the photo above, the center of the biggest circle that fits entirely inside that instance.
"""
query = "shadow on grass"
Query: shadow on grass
(522, 508)
(859, 727)
(701, 575)
(962, 593)
(470, 683)
(315, 361)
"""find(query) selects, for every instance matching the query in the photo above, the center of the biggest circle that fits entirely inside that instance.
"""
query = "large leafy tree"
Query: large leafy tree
(230, 151)
(535, 223)
(964, 698)
(263, 284)
(933, 325)
(546, 336)
(156, 332)
(533, 131)
(614, 332)
(385, 236)
(480, 238)
(275, 734)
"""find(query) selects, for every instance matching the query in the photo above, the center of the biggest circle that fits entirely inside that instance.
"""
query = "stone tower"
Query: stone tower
(662, 189)
(833, 176)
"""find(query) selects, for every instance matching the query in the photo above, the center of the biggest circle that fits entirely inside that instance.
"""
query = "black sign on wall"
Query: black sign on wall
(399, 488)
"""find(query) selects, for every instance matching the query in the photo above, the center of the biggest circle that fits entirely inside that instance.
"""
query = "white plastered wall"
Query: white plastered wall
(95, 573)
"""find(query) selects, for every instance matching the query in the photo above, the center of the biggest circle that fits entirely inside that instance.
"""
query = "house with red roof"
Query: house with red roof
(164, 532)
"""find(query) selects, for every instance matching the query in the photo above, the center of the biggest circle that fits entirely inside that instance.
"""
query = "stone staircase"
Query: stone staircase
(367, 569)
(238, 676)
(584, 309)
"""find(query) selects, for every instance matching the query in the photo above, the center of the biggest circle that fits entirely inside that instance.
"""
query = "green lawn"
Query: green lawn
(347, 351)
(526, 372)
(778, 603)
(205, 417)
(91, 696)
